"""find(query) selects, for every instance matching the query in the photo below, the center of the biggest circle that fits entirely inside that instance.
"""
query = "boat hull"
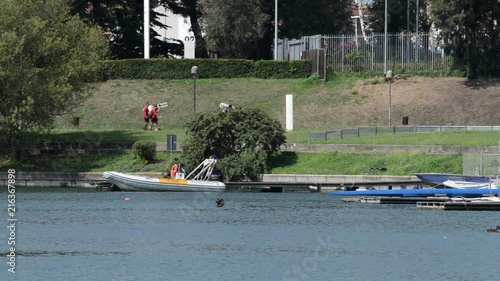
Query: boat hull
(439, 179)
(128, 182)
(468, 184)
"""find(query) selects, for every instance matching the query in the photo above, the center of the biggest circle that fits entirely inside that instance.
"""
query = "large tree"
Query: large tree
(309, 17)
(471, 29)
(47, 58)
(123, 21)
(234, 27)
(397, 16)
(244, 140)
(245, 29)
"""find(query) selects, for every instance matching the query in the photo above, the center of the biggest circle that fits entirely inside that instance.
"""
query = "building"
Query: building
(179, 28)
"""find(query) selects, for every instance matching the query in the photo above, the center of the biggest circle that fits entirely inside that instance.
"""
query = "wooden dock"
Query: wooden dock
(460, 206)
(393, 200)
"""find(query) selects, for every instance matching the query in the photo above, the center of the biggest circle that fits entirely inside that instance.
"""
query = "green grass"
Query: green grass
(335, 163)
(117, 104)
(98, 137)
(475, 138)
(287, 163)
(372, 164)
(116, 161)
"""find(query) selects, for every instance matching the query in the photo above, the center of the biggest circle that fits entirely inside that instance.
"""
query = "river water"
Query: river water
(82, 235)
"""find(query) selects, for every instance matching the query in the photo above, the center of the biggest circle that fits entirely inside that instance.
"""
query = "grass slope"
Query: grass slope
(335, 163)
(338, 103)
(113, 114)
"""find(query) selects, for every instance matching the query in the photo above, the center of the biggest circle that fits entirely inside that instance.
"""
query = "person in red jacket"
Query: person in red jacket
(154, 117)
(145, 115)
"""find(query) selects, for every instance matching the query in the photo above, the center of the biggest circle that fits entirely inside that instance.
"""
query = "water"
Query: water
(256, 236)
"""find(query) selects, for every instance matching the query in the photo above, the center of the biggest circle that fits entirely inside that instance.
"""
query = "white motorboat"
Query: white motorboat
(469, 185)
(198, 180)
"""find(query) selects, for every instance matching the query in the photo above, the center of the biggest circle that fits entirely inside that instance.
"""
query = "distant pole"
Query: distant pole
(416, 32)
(388, 75)
(385, 39)
(275, 29)
(194, 95)
(146, 29)
(390, 101)
(408, 32)
(289, 112)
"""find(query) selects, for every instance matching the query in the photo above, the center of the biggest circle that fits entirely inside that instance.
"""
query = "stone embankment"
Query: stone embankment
(90, 180)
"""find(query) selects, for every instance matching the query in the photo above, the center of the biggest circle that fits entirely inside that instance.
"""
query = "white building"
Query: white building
(179, 28)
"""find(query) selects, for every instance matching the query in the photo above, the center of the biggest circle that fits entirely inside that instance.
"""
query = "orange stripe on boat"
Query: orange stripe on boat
(170, 181)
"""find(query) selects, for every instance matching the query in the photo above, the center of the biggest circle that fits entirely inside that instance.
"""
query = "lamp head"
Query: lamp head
(388, 75)
(194, 71)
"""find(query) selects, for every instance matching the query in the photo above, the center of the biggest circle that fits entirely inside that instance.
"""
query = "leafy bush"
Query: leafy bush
(244, 140)
(144, 151)
(247, 166)
(313, 79)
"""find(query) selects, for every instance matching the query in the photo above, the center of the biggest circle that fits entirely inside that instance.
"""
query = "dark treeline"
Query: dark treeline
(245, 29)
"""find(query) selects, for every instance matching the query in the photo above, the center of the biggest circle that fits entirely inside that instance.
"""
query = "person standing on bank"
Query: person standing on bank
(145, 115)
(154, 117)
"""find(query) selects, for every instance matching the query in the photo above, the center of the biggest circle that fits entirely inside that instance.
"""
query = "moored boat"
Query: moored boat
(467, 184)
(439, 179)
(199, 180)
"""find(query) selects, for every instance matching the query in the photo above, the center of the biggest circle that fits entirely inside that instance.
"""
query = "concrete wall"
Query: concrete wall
(57, 179)
(87, 180)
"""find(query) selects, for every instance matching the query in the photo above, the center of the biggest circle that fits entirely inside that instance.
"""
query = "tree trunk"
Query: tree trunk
(200, 49)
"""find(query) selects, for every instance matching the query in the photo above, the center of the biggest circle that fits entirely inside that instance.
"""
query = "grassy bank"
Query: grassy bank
(288, 163)
(335, 163)
(472, 138)
(341, 102)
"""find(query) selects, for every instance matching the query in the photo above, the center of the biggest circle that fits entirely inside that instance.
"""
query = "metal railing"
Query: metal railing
(487, 164)
(357, 53)
(378, 130)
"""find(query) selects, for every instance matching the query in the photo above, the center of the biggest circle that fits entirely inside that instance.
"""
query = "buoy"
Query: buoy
(126, 199)
(313, 188)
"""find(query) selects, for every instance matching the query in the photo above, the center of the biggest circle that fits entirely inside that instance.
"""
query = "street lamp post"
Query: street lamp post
(194, 73)
(389, 77)
(276, 30)
(385, 38)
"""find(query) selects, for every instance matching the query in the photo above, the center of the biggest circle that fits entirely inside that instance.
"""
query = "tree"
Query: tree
(47, 58)
(244, 140)
(123, 21)
(309, 17)
(245, 29)
(397, 16)
(191, 9)
(470, 29)
(234, 27)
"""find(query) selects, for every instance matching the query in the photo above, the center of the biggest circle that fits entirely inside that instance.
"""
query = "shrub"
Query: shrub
(144, 151)
(207, 68)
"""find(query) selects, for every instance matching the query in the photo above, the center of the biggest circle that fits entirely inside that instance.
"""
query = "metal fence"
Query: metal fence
(356, 53)
(378, 130)
(487, 164)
